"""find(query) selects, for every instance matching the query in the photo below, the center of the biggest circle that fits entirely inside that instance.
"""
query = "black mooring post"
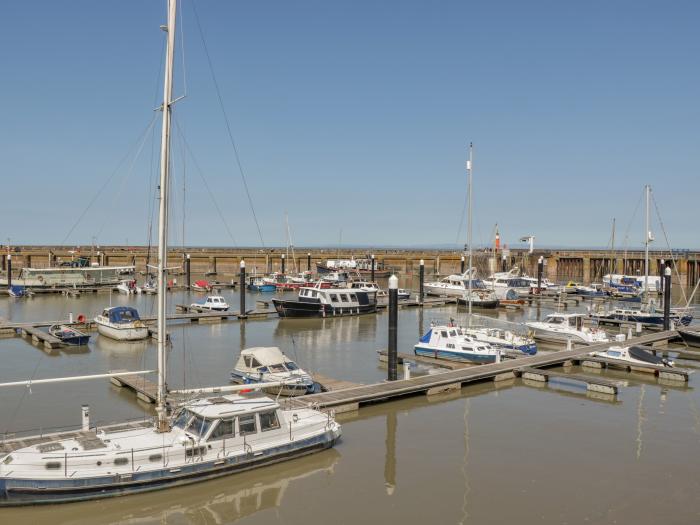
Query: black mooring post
(393, 321)
(188, 270)
(421, 280)
(283, 264)
(372, 258)
(503, 263)
(242, 290)
(667, 299)
(9, 270)
(662, 266)
(540, 268)
(461, 265)
(308, 262)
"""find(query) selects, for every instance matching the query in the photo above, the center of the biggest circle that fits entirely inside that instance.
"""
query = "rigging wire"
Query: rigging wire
(106, 183)
(670, 250)
(228, 125)
(204, 180)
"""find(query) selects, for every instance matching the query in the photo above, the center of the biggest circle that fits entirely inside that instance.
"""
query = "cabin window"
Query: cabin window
(343, 298)
(155, 457)
(7, 460)
(254, 363)
(334, 298)
(121, 461)
(443, 333)
(182, 419)
(225, 428)
(291, 365)
(269, 421)
(314, 293)
(353, 297)
(195, 451)
(246, 425)
(199, 426)
(453, 333)
(53, 465)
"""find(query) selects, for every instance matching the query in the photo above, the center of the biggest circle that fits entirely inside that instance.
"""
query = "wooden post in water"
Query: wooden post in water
(667, 299)
(308, 262)
(461, 265)
(283, 264)
(421, 280)
(188, 270)
(241, 291)
(372, 259)
(393, 321)
(9, 271)
(540, 268)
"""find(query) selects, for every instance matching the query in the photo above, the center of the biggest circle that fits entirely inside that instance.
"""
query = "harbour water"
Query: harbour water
(491, 453)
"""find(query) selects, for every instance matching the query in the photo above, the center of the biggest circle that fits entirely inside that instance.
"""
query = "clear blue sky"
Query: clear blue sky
(356, 115)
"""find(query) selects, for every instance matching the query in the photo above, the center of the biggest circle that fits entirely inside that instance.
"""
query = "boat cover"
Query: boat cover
(17, 290)
(123, 314)
(426, 337)
(643, 354)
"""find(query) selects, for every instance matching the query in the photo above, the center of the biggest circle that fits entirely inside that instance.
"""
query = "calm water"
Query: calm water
(531, 453)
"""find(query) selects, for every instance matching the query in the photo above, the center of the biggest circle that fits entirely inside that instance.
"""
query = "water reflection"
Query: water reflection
(390, 456)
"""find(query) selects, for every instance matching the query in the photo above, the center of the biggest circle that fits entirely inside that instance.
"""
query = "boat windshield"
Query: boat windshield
(556, 320)
(182, 419)
(199, 426)
(291, 365)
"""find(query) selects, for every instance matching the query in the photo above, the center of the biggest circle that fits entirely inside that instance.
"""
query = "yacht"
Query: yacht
(258, 284)
(561, 327)
(365, 286)
(327, 302)
(453, 343)
(634, 355)
(269, 364)
(647, 314)
(128, 287)
(480, 296)
(122, 323)
(454, 285)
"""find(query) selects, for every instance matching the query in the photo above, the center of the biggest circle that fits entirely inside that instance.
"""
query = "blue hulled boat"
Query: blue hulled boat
(452, 343)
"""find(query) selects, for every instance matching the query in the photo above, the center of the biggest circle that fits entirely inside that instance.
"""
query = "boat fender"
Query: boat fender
(81, 318)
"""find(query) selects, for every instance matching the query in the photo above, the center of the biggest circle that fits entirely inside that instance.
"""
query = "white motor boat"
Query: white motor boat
(128, 287)
(213, 303)
(505, 339)
(269, 364)
(121, 323)
(633, 354)
(562, 327)
(365, 286)
(454, 285)
(453, 343)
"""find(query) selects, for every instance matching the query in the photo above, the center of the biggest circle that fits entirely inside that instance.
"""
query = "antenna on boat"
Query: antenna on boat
(163, 423)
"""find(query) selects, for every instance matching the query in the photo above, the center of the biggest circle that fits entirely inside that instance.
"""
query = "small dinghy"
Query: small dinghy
(634, 354)
(201, 286)
(269, 364)
(68, 335)
(17, 291)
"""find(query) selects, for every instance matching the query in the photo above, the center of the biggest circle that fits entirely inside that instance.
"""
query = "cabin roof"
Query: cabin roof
(266, 355)
(231, 404)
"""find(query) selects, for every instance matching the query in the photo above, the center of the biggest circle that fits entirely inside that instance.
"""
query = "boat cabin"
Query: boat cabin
(365, 286)
(571, 320)
(452, 337)
(335, 297)
(264, 360)
(121, 314)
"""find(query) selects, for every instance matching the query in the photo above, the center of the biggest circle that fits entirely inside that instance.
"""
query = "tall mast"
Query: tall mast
(469, 226)
(647, 190)
(163, 424)
(612, 247)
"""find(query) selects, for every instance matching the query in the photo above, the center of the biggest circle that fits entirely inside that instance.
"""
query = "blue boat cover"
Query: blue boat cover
(17, 290)
(426, 337)
(123, 314)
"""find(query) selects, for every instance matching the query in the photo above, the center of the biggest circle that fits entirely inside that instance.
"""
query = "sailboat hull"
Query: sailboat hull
(21, 492)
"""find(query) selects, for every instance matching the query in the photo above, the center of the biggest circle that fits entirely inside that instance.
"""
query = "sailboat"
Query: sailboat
(200, 438)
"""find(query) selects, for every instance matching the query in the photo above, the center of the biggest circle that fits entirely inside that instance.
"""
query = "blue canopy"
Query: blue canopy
(426, 337)
(123, 314)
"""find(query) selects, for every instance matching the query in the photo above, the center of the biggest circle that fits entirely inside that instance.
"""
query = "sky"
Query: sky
(353, 120)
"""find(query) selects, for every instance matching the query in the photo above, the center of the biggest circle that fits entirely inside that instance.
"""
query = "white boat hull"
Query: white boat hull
(127, 333)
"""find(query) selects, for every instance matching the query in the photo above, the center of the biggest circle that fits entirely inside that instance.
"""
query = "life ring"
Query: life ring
(41, 278)
(81, 318)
